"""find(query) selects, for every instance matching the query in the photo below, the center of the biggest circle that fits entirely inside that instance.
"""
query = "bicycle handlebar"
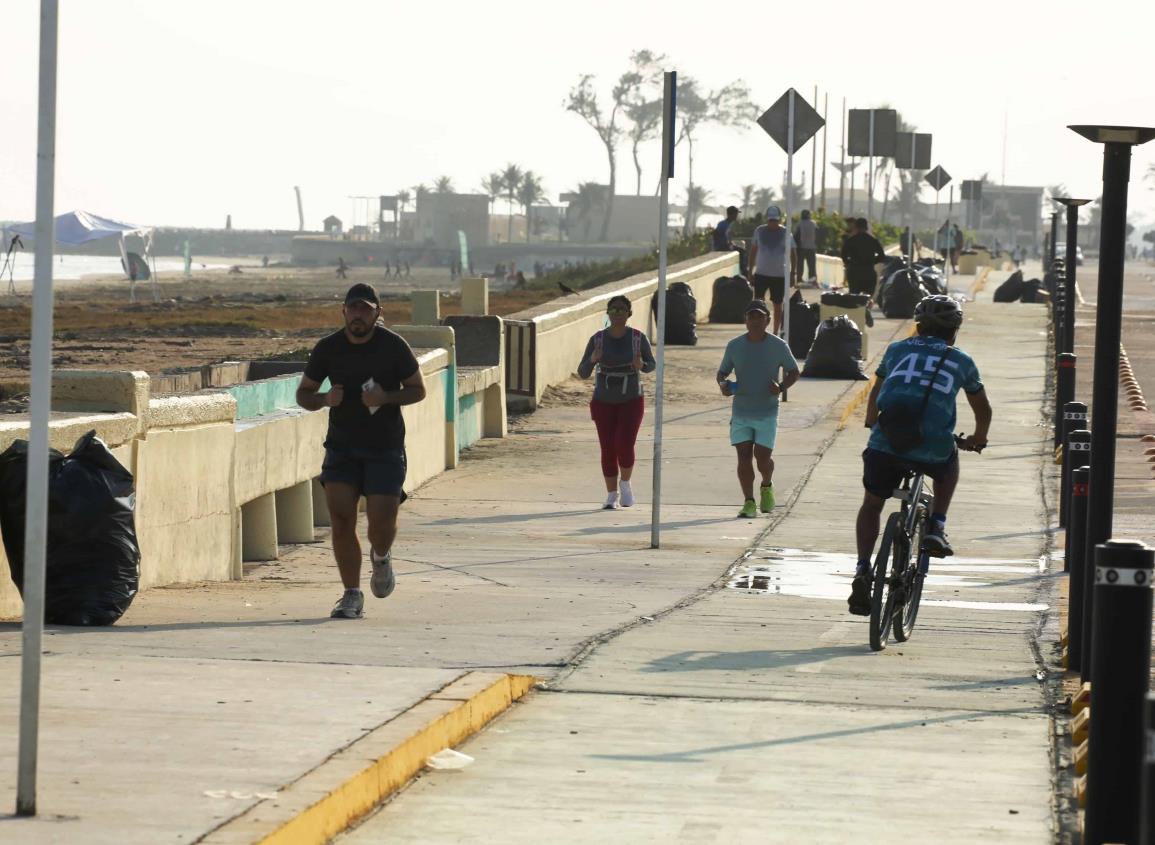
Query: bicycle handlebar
(961, 441)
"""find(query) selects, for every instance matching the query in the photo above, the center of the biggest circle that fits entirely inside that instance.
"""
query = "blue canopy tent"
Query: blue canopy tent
(76, 228)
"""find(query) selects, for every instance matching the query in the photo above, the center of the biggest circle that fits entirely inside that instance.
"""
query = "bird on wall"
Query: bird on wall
(566, 289)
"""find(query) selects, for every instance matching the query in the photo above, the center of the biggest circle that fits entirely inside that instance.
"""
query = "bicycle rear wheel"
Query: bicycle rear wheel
(913, 575)
(881, 596)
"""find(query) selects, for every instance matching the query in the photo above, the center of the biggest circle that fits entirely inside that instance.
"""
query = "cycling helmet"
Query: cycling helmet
(938, 312)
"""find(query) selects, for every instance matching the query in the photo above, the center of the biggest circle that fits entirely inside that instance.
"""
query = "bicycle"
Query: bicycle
(895, 595)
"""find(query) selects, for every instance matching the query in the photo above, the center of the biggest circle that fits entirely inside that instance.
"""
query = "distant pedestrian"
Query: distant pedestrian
(342, 268)
(372, 372)
(943, 241)
(764, 367)
(620, 354)
(723, 239)
(768, 248)
(860, 252)
(806, 236)
(959, 240)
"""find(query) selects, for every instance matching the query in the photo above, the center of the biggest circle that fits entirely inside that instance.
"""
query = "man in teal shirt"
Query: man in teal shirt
(764, 367)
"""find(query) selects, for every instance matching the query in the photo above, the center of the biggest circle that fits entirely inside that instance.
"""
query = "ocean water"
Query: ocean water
(72, 267)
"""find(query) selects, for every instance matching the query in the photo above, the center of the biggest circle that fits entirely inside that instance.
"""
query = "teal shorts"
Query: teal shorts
(763, 431)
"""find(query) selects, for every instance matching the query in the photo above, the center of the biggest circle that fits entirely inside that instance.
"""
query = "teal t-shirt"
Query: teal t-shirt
(756, 365)
(905, 373)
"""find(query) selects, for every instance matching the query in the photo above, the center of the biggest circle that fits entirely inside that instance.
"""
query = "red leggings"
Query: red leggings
(618, 424)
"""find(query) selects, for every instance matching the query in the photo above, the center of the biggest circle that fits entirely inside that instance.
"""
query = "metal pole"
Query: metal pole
(1055, 238)
(950, 240)
(789, 222)
(870, 174)
(1071, 264)
(1121, 667)
(813, 158)
(40, 406)
(669, 101)
(1077, 620)
(825, 160)
(1108, 335)
(1074, 419)
(842, 169)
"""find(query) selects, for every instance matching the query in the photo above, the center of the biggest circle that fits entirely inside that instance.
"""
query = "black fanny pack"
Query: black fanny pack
(901, 423)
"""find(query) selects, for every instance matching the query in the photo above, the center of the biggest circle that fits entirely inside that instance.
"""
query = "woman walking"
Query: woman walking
(620, 354)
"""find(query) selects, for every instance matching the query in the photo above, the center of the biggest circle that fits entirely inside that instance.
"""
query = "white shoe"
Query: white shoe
(611, 502)
(627, 494)
(382, 581)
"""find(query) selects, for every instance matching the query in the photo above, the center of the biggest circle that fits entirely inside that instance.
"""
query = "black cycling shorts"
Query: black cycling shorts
(883, 472)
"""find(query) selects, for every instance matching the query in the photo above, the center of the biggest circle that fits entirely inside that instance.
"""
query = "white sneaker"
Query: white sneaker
(627, 494)
(382, 581)
(611, 502)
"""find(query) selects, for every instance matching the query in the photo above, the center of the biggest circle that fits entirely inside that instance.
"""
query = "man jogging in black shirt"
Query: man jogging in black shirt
(860, 252)
(372, 372)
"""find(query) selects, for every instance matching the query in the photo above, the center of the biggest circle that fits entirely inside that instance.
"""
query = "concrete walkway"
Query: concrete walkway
(675, 707)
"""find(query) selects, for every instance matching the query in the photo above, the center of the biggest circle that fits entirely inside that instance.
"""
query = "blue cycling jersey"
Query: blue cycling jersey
(905, 374)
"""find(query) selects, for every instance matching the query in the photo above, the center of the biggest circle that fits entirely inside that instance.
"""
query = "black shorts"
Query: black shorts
(371, 472)
(862, 281)
(882, 472)
(776, 285)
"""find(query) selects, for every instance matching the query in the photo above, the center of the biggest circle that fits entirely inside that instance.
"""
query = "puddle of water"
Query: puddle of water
(827, 575)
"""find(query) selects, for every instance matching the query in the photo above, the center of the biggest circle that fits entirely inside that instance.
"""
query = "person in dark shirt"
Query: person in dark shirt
(372, 372)
(860, 252)
(722, 241)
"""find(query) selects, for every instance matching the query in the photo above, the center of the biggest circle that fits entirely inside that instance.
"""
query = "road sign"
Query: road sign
(858, 132)
(938, 178)
(912, 151)
(775, 121)
(972, 189)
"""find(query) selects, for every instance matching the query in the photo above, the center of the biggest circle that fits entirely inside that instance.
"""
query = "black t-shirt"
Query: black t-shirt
(387, 359)
(862, 251)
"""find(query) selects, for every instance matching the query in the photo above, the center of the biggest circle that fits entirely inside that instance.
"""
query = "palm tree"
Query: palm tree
(403, 197)
(697, 202)
(763, 197)
(531, 191)
(588, 199)
(443, 185)
(493, 186)
(511, 181)
(747, 198)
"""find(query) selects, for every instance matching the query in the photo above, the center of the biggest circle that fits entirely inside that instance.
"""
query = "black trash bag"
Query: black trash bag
(933, 280)
(836, 351)
(804, 322)
(730, 297)
(1012, 289)
(681, 315)
(845, 300)
(901, 292)
(1033, 290)
(93, 560)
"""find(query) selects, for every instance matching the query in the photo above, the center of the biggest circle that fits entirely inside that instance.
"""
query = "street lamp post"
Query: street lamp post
(1054, 240)
(1108, 819)
(1072, 245)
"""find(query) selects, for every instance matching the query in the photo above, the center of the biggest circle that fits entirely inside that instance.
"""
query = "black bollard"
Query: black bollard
(1121, 665)
(1059, 313)
(1074, 419)
(1075, 561)
(1064, 389)
(1147, 810)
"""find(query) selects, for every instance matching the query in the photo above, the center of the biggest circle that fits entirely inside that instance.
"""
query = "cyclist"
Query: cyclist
(923, 374)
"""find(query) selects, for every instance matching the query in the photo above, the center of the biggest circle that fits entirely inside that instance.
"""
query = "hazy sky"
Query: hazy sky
(178, 112)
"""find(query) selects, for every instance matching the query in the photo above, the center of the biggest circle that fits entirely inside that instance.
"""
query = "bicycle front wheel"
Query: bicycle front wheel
(913, 576)
(882, 595)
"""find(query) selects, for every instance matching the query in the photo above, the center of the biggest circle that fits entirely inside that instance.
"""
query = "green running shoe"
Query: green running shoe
(767, 503)
(749, 510)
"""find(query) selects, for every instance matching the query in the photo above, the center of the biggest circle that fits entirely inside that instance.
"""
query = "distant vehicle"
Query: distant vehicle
(1061, 252)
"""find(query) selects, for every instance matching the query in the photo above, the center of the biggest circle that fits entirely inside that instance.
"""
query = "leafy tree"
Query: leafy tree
(443, 185)
(747, 198)
(729, 105)
(493, 187)
(1059, 190)
(642, 102)
(510, 182)
(529, 192)
(403, 198)
(764, 197)
(583, 101)
(589, 198)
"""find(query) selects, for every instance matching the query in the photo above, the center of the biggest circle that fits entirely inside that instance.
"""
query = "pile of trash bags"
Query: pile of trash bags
(845, 300)
(1017, 289)
(731, 296)
(836, 351)
(804, 322)
(901, 291)
(681, 315)
(93, 559)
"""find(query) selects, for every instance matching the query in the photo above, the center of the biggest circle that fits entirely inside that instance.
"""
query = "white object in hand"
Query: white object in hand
(369, 385)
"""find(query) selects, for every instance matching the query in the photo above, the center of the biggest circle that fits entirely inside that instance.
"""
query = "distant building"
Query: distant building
(333, 226)
(439, 217)
(633, 219)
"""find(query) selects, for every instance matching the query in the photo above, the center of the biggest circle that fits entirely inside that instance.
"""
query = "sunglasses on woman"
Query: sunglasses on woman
(617, 310)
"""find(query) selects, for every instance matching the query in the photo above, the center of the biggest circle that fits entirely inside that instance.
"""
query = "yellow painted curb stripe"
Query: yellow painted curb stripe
(856, 402)
(329, 799)
(981, 281)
